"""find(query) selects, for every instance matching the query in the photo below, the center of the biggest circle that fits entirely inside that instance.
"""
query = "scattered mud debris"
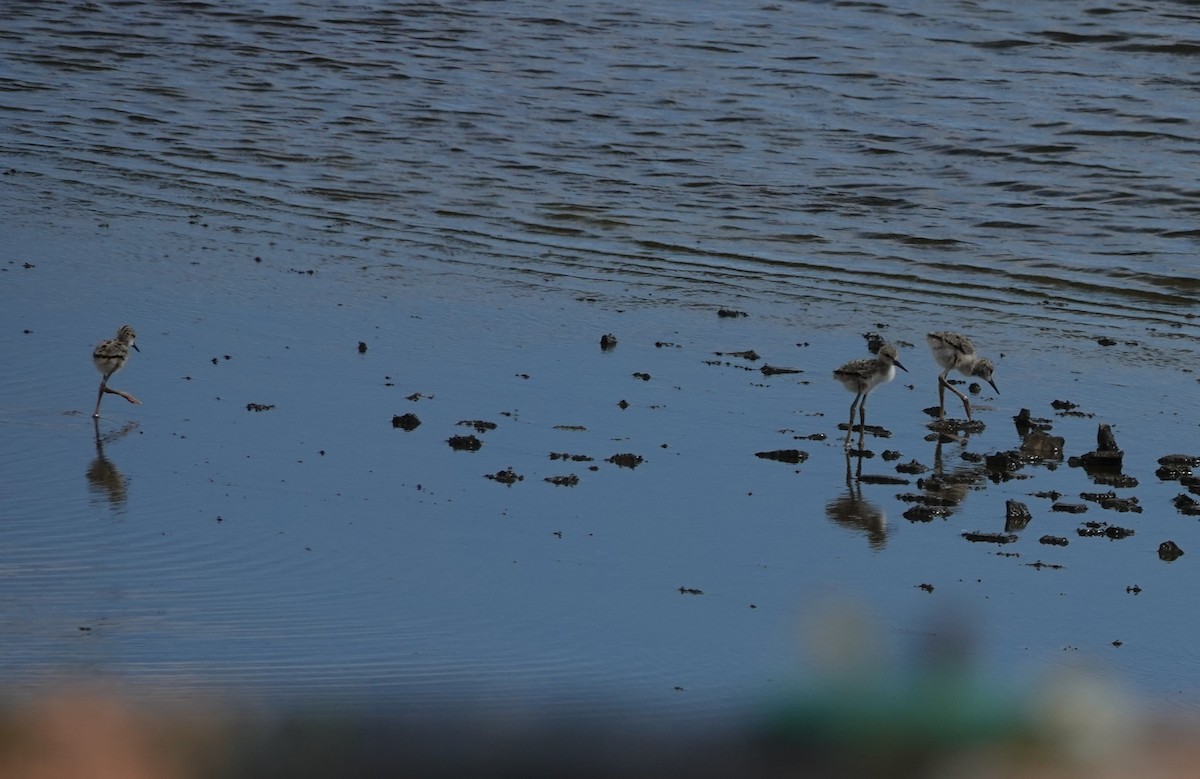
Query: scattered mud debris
(1016, 516)
(690, 591)
(1040, 445)
(362, 347)
(642, 376)
(626, 460)
(748, 354)
(1104, 340)
(810, 437)
(259, 406)
(1097, 529)
(623, 404)
(793, 456)
(1039, 565)
(1106, 457)
(1109, 500)
(419, 396)
(1168, 551)
(1173, 472)
(406, 422)
(875, 430)
(1003, 462)
(730, 313)
(480, 425)
(575, 458)
(926, 513)
(926, 587)
(570, 480)
(952, 427)
(1027, 423)
(912, 467)
(1186, 504)
(1133, 589)
(1053, 541)
(775, 370)
(507, 476)
(569, 427)
(1049, 494)
(1179, 459)
(607, 342)
(1109, 479)
(465, 443)
(666, 345)
(1069, 508)
(990, 538)
(890, 455)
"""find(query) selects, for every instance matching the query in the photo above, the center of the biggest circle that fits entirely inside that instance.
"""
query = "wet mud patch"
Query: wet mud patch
(406, 422)
(1103, 529)
(570, 480)
(626, 460)
(1110, 500)
(507, 476)
(1169, 551)
(1053, 540)
(575, 458)
(793, 456)
(259, 406)
(465, 443)
(989, 538)
(480, 425)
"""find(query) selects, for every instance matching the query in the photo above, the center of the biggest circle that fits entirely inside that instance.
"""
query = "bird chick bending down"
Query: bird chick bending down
(862, 376)
(109, 357)
(955, 351)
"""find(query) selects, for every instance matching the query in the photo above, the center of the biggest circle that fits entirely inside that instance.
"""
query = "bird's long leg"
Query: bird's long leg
(100, 396)
(862, 422)
(941, 395)
(850, 426)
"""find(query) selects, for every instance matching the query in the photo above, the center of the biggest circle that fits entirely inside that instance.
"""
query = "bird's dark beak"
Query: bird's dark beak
(989, 381)
(898, 365)
(135, 347)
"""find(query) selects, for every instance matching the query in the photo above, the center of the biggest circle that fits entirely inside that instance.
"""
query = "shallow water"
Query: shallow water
(478, 193)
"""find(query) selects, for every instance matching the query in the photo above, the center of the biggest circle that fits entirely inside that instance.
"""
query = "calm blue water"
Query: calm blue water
(478, 192)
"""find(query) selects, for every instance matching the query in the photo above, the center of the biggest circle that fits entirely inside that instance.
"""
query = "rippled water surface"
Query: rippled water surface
(477, 192)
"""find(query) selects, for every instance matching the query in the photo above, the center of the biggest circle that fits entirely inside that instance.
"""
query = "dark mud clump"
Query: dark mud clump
(730, 313)
(570, 480)
(1053, 541)
(1186, 504)
(926, 513)
(912, 467)
(259, 406)
(465, 443)
(507, 476)
(1069, 508)
(793, 456)
(1169, 551)
(575, 458)
(607, 341)
(480, 425)
(775, 370)
(1040, 445)
(1098, 529)
(362, 347)
(1027, 423)
(1106, 457)
(690, 591)
(1016, 516)
(626, 460)
(990, 538)
(1039, 565)
(1109, 500)
(406, 422)
(642, 376)
(748, 354)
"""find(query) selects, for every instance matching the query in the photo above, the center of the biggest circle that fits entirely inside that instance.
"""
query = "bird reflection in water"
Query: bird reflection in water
(854, 512)
(103, 477)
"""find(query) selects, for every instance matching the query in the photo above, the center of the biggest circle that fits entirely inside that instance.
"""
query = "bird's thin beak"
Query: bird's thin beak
(138, 350)
(989, 381)
(898, 365)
